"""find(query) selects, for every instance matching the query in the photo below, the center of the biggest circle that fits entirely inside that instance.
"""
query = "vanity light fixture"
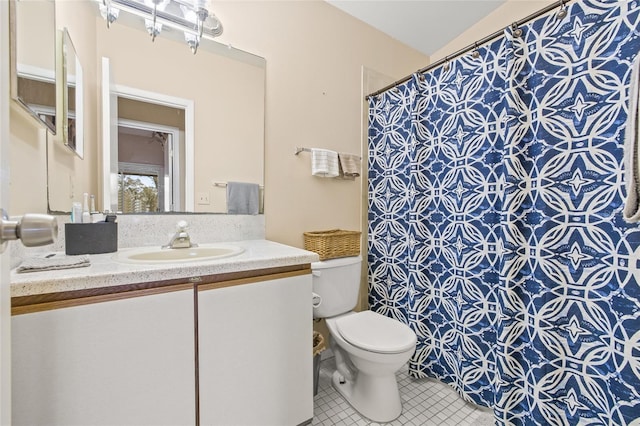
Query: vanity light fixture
(110, 14)
(193, 17)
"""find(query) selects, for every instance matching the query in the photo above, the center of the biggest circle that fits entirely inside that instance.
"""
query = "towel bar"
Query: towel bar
(224, 185)
(300, 149)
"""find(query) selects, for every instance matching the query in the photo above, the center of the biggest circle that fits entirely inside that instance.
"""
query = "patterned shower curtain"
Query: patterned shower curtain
(495, 220)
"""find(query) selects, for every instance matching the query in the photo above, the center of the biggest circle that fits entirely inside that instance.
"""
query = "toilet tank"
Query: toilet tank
(337, 282)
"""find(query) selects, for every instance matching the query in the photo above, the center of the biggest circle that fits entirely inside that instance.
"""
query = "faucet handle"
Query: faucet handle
(182, 225)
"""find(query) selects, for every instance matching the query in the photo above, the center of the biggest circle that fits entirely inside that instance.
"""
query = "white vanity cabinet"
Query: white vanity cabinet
(233, 349)
(117, 362)
(255, 352)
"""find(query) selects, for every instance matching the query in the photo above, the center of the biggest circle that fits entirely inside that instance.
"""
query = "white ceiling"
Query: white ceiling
(425, 25)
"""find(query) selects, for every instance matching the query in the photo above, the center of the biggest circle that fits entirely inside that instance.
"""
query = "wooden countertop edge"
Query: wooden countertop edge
(48, 301)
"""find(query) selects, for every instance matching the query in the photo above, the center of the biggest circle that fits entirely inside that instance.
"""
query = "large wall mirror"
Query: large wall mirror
(176, 127)
(33, 58)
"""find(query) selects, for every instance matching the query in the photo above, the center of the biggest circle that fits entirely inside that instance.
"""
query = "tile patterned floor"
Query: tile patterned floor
(425, 402)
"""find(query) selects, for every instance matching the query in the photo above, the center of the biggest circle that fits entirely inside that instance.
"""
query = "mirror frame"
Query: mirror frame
(71, 125)
(14, 74)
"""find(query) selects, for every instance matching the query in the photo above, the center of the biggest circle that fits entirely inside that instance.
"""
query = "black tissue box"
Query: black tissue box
(91, 238)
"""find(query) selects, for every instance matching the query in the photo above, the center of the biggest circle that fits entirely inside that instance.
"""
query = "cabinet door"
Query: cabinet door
(128, 361)
(255, 345)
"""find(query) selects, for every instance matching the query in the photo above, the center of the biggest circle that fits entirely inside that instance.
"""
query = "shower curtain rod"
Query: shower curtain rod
(560, 3)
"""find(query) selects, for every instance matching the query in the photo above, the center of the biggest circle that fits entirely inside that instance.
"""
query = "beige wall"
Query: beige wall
(35, 44)
(315, 54)
(28, 177)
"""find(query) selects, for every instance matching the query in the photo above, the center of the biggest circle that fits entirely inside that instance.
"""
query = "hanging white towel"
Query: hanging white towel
(324, 163)
(350, 165)
(631, 212)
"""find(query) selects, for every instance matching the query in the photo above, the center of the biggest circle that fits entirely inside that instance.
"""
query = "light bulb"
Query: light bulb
(158, 4)
(109, 13)
(153, 29)
(193, 41)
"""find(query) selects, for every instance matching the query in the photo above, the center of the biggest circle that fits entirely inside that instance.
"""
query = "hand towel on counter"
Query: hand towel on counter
(350, 165)
(324, 163)
(52, 262)
(631, 212)
(243, 198)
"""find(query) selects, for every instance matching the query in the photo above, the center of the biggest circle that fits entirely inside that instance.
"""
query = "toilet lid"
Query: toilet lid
(376, 333)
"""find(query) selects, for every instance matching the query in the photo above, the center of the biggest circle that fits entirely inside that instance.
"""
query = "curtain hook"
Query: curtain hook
(563, 10)
(517, 32)
(476, 52)
(446, 63)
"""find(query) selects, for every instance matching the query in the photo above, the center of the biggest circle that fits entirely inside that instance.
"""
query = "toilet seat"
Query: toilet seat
(373, 332)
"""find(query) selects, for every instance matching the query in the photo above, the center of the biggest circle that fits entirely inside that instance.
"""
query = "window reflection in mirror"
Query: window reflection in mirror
(138, 192)
(33, 47)
(151, 145)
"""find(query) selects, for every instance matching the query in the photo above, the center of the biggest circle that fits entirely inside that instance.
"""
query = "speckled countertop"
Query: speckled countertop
(106, 271)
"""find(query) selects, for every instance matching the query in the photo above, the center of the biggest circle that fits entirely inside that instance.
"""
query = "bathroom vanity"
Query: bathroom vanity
(216, 342)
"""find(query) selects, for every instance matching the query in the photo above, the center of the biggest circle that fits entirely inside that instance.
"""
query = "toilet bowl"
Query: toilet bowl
(369, 348)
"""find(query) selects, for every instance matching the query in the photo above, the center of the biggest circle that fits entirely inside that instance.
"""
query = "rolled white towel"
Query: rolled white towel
(324, 163)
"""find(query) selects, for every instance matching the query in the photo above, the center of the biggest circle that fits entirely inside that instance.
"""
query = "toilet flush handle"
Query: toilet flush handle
(316, 273)
(316, 300)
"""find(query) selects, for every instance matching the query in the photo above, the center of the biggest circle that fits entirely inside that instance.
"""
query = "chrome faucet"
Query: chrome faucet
(181, 238)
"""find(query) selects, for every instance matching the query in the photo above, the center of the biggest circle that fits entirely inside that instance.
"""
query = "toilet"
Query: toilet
(369, 348)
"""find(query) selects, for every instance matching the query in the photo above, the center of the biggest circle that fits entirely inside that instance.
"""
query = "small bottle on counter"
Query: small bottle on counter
(76, 212)
(96, 216)
(86, 216)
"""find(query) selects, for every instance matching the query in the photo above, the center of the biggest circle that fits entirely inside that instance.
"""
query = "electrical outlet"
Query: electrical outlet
(203, 198)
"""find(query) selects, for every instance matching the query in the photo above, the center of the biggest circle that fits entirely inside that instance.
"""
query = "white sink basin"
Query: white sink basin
(162, 255)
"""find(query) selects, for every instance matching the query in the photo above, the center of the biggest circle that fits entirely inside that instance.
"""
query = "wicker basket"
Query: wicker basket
(333, 243)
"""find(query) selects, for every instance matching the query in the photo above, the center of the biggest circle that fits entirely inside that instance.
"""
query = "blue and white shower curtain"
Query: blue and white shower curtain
(495, 220)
